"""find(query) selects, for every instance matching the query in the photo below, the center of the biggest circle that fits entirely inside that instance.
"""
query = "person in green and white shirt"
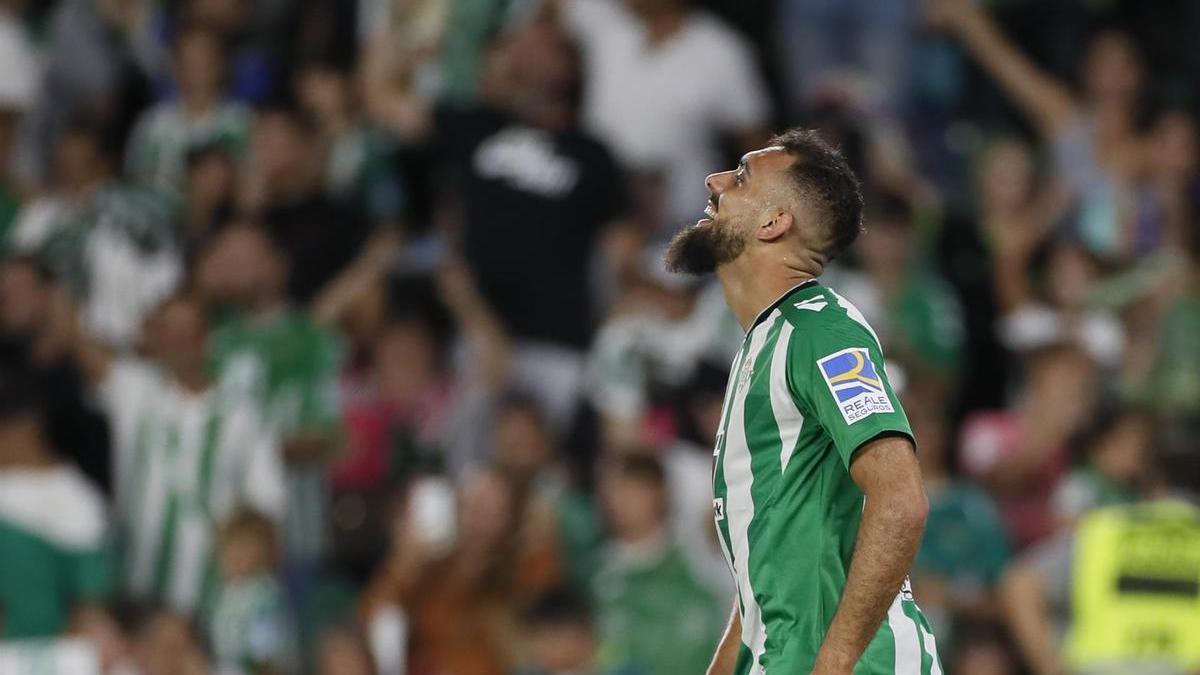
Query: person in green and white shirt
(185, 457)
(818, 499)
(359, 159)
(111, 244)
(247, 624)
(158, 146)
(277, 358)
(54, 545)
(646, 594)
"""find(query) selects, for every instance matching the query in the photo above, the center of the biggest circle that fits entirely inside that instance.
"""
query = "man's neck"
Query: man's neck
(750, 289)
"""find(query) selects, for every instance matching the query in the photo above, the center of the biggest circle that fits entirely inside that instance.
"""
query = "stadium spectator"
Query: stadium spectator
(184, 456)
(1172, 384)
(662, 330)
(16, 95)
(1105, 596)
(112, 245)
(248, 625)
(913, 311)
(30, 340)
(827, 46)
(533, 186)
(163, 136)
(271, 354)
(646, 595)
(632, 51)
(451, 571)
(96, 57)
(360, 162)
(1020, 453)
(966, 547)
(1098, 149)
(561, 638)
(210, 173)
(1113, 469)
(284, 185)
(55, 541)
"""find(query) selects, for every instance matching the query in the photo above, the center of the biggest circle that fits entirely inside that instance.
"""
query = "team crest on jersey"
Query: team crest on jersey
(745, 375)
(854, 383)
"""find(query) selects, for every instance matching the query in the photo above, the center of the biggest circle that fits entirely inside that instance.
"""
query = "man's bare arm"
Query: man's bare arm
(1023, 601)
(892, 522)
(727, 650)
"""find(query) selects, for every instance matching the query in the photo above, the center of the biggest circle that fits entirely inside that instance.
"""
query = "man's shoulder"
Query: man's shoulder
(821, 315)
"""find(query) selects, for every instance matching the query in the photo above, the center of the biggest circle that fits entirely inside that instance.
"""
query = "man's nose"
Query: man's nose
(718, 182)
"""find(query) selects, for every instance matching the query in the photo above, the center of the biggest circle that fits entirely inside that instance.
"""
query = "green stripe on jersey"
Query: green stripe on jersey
(808, 388)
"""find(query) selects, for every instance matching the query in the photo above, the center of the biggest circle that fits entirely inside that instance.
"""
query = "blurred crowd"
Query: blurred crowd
(335, 338)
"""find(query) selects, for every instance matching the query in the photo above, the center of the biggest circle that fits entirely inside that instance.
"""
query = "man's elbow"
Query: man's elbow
(910, 508)
(918, 509)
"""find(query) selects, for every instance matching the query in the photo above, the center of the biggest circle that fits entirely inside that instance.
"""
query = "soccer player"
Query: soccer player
(817, 494)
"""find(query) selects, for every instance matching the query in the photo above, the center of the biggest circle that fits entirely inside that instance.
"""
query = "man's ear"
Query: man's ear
(778, 224)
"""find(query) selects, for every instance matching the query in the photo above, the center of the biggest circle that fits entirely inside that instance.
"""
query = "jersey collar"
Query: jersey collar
(771, 307)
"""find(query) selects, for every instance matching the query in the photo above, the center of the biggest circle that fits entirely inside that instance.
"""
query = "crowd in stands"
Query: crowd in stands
(335, 336)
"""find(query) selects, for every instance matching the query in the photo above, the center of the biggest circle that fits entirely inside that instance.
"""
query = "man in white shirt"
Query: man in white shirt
(184, 457)
(662, 85)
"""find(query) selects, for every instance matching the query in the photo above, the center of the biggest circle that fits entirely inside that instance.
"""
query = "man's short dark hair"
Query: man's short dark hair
(825, 179)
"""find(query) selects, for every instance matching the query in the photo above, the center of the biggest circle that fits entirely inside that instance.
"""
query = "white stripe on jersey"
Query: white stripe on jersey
(717, 517)
(905, 640)
(854, 313)
(739, 503)
(787, 416)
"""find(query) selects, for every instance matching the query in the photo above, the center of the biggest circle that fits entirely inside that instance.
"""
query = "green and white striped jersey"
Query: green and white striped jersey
(288, 367)
(248, 627)
(807, 389)
(115, 251)
(159, 143)
(183, 462)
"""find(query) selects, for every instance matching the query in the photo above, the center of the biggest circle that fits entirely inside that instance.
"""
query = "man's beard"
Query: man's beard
(700, 249)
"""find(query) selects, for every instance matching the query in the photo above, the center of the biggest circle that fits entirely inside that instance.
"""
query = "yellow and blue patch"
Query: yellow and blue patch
(854, 384)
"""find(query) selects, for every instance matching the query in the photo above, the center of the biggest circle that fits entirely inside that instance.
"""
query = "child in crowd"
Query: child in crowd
(247, 623)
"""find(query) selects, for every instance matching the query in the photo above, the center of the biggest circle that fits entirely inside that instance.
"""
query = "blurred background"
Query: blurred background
(334, 336)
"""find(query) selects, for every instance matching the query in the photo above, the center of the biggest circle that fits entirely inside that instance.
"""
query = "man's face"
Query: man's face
(198, 64)
(77, 160)
(250, 269)
(633, 506)
(738, 200)
(280, 149)
(179, 335)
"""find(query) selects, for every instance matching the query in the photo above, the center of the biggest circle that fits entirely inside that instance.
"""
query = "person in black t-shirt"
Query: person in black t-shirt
(320, 234)
(536, 197)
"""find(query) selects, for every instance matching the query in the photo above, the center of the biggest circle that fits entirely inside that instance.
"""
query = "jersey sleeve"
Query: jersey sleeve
(837, 375)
